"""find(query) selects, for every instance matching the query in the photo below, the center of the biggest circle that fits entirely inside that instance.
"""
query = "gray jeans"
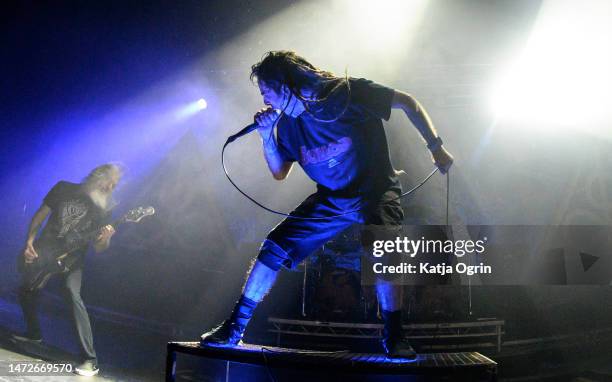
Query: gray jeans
(72, 296)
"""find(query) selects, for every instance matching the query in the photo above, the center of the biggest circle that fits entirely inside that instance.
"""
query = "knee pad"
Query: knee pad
(273, 256)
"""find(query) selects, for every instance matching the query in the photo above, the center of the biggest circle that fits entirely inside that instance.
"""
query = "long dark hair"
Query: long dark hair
(284, 67)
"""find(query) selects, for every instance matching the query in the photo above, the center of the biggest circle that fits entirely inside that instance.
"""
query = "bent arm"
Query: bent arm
(279, 168)
(39, 217)
(103, 240)
(417, 115)
(420, 119)
(101, 245)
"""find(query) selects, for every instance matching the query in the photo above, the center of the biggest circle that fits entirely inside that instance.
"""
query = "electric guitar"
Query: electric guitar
(56, 259)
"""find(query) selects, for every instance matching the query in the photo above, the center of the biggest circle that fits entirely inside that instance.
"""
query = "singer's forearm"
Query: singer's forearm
(278, 167)
(417, 115)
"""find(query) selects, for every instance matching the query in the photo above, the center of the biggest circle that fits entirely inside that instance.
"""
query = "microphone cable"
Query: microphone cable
(404, 194)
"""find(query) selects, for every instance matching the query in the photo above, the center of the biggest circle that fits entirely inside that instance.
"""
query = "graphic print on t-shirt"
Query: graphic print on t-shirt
(325, 153)
(72, 213)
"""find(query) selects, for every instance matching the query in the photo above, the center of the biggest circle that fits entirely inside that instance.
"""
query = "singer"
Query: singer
(332, 126)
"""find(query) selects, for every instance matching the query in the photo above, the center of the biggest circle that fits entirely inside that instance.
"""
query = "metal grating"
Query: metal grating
(466, 330)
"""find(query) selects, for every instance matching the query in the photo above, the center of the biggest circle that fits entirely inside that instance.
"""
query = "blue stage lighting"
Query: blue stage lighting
(201, 103)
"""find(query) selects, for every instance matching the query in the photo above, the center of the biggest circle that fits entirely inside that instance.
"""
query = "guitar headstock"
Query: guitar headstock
(136, 214)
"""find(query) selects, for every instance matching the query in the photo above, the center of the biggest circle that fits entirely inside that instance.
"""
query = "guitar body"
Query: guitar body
(56, 259)
(50, 261)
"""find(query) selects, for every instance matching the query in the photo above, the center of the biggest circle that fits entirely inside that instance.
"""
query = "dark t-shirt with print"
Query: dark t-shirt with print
(347, 157)
(73, 216)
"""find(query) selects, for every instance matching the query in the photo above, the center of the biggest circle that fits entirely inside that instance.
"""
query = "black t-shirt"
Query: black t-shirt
(349, 156)
(73, 216)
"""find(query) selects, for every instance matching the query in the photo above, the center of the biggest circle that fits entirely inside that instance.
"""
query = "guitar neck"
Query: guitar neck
(80, 240)
(93, 234)
(116, 223)
(133, 216)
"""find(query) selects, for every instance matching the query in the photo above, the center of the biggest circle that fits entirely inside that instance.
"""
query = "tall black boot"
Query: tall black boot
(230, 331)
(394, 342)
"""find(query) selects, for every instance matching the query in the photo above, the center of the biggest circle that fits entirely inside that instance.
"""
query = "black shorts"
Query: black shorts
(291, 241)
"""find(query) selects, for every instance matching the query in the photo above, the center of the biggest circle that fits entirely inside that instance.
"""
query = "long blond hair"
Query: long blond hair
(103, 172)
(96, 177)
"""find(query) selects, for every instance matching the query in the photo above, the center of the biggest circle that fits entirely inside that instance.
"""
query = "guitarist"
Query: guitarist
(72, 210)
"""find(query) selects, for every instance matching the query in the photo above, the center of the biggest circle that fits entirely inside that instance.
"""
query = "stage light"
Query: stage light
(191, 109)
(339, 35)
(382, 28)
(391, 19)
(201, 103)
(562, 77)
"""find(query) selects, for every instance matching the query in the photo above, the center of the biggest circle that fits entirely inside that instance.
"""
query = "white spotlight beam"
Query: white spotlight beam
(562, 79)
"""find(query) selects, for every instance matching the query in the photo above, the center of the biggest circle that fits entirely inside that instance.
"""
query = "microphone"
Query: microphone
(245, 131)
(253, 126)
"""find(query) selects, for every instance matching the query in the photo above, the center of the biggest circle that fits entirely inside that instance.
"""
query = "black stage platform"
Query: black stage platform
(469, 366)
